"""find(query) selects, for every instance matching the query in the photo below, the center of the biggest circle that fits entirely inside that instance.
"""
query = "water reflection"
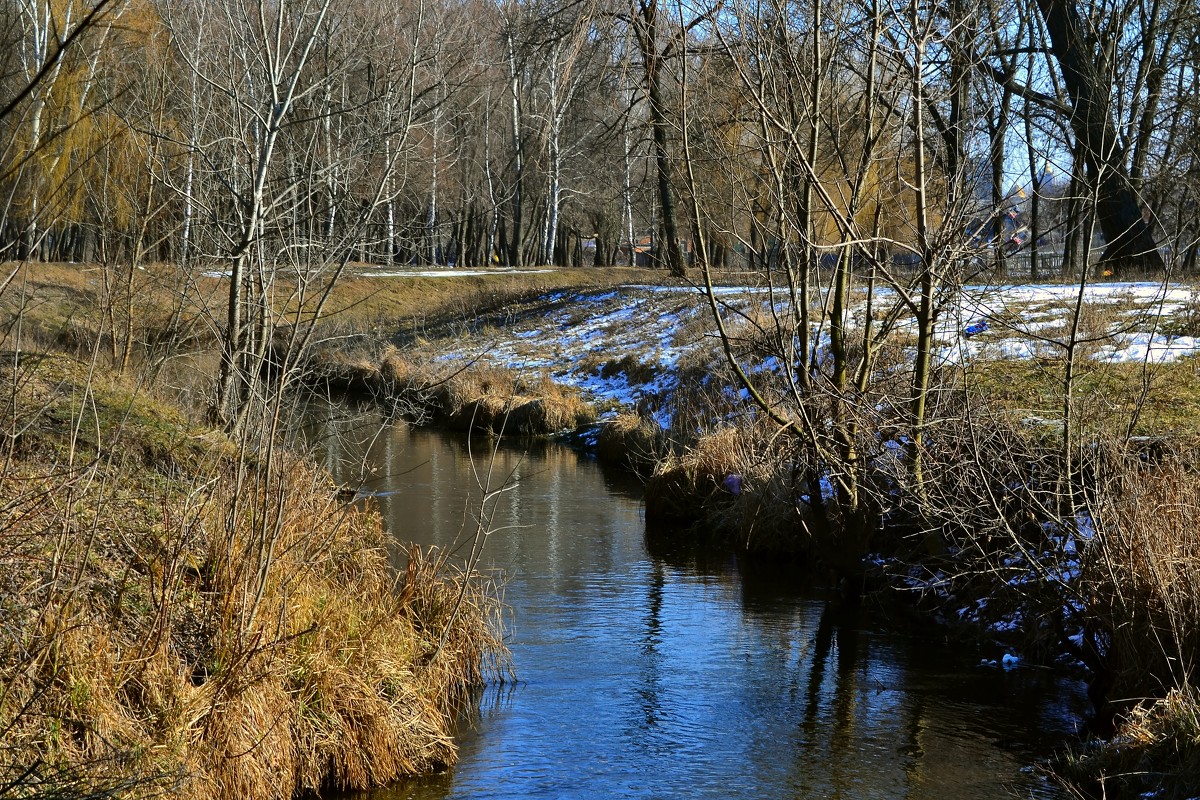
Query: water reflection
(684, 675)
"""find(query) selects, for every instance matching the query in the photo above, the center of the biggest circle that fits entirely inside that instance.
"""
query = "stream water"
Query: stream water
(652, 672)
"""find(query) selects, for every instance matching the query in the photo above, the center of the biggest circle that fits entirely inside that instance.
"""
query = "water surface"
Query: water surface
(671, 674)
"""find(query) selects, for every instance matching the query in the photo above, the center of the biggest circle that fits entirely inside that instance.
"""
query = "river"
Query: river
(663, 673)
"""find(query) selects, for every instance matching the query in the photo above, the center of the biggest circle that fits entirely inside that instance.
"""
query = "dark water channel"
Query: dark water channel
(666, 674)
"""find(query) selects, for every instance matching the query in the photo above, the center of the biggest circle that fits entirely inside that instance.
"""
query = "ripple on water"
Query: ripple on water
(645, 677)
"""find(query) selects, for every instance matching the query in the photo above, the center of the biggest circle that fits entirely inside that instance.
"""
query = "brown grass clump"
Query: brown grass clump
(395, 369)
(632, 441)
(1156, 741)
(768, 519)
(491, 399)
(634, 369)
(497, 400)
(683, 488)
(1140, 589)
(1145, 575)
(352, 375)
(736, 483)
(176, 619)
(555, 409)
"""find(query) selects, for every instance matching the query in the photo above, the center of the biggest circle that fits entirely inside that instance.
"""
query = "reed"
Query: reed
(631, 440)
(691, 486)
(1145, 577)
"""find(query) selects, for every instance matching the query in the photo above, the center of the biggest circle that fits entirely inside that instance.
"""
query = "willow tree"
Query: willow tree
(59, 45)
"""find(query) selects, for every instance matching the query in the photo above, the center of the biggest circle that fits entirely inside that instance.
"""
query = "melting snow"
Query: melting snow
(655, 328)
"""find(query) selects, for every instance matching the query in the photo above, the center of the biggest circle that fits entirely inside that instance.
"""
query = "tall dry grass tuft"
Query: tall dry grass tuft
(499, 400)
(1155, 753)
(632, 441)
(699, 483)
(1145, 578)
(461, 617)
(176, 618)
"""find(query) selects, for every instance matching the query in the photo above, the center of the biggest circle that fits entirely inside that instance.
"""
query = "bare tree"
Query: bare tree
(1081, 60)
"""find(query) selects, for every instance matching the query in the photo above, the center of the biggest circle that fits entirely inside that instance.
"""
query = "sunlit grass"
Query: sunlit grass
(1144, 400)
(179, 617)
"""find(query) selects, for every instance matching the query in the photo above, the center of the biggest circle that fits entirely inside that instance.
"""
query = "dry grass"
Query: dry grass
(177, 619)
(499, 400)
(1145, 578)
(632, 441)
(72, 307)
(687, 487)
(630, 365)
(384, 306)
(1155, 753)
(1160, 399)
(742, 486)
(175, 315)
(494, 400)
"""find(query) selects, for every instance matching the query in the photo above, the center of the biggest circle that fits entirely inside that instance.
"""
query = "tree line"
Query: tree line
(553, 132)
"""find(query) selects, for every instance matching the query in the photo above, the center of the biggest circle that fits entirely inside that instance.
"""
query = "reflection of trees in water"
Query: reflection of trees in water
(829, 720)
(678, 548)
(428, 485)
(889, 714)
(851, 712)
(445, 474)
(650, 681)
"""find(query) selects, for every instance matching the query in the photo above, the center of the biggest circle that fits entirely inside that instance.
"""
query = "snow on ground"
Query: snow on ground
(1127, 322)
(594, 340)
(624, 347)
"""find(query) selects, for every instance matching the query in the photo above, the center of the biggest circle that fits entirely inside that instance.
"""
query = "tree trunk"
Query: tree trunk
(514, 242)
(1130, 245)
(652, 59)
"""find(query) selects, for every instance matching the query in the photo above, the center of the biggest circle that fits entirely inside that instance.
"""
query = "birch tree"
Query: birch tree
(293, 159)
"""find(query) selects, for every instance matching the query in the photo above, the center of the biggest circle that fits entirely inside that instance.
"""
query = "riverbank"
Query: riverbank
(1052, 553)
(1085, 561)
(187, 614)
(186, 617)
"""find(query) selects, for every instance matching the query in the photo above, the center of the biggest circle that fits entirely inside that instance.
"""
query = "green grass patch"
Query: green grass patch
(1146, 400)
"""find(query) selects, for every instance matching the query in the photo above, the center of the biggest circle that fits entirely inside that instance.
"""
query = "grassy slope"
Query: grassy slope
(149, 640)
(1158, 400)
(389, 305)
